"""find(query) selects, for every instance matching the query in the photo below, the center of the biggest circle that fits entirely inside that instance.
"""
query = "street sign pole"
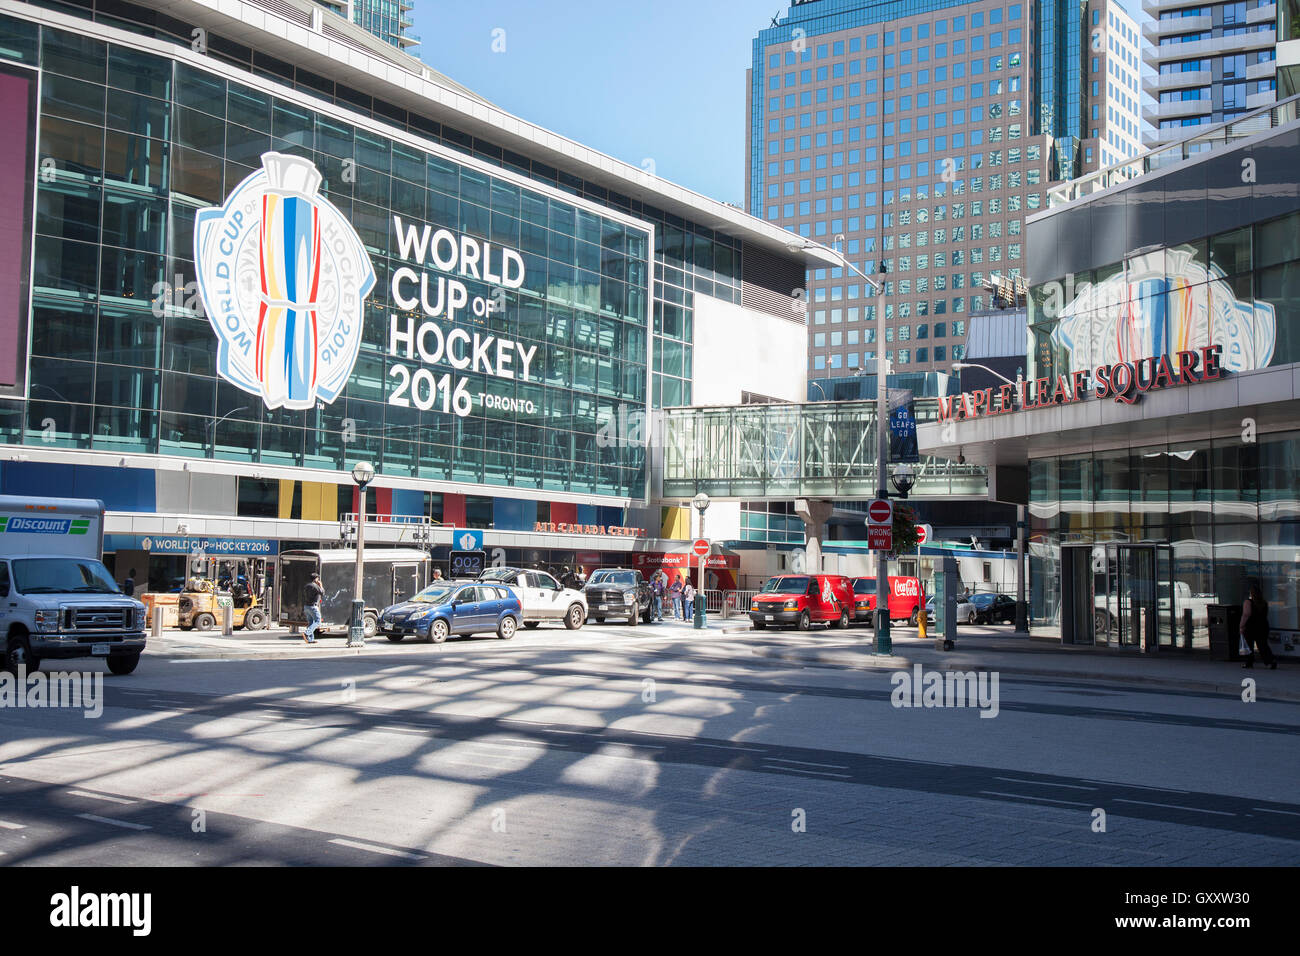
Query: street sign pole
(880, 538)
(701, 548)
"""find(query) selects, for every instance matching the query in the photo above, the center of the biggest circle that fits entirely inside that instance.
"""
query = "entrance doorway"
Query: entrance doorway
(1118, 595)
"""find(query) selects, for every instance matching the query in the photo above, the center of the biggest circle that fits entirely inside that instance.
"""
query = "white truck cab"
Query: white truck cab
(541, 596)
(57, 600)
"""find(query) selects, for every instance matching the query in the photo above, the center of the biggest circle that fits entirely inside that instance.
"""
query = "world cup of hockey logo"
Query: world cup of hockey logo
(283, 277)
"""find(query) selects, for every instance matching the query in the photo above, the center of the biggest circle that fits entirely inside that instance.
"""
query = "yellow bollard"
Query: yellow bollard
(920, 622)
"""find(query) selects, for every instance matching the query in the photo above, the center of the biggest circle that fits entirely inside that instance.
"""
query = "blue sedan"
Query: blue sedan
(449, 608)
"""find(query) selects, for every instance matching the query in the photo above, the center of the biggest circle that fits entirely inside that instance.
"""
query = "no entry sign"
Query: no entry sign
(700, 547)
(880, 525)
(923, 533)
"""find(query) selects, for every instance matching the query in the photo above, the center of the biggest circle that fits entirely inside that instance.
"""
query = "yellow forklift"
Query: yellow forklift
(239, 581)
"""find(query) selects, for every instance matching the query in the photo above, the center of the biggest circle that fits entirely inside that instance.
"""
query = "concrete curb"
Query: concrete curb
(818, 658)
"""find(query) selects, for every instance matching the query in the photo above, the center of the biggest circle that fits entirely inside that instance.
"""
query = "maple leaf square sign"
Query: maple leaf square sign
(283, 277)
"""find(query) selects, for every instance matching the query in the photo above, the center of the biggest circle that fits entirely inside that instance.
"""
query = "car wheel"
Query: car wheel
(575, 618)
(531, 624)
(805, 621)
(915, 619)
(843, 622)
(370, 624)
(648, 616)
(633, 619)
(19, 653)
(123, 664)
(438, 631)
(506, 629)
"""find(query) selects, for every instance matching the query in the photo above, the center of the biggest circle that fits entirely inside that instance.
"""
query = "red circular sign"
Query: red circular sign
(701, 547)
(879, 511)
(920, 534)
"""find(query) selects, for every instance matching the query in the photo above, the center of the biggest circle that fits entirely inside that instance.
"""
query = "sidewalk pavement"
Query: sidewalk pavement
(1010, 653)
(977, 648)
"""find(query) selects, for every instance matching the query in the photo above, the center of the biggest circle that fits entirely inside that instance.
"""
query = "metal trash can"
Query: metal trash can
(1225, 631)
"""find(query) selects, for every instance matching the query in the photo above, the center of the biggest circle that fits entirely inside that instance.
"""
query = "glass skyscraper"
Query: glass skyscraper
(919, 135)
(390, 20)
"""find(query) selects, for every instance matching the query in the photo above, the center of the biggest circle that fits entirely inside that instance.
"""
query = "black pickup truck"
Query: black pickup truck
(618, 593)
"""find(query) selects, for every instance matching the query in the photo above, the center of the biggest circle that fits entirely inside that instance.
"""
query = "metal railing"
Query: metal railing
(716, 599)
(1159, 157)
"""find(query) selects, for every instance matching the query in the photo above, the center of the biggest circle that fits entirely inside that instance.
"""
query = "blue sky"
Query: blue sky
(628, 79)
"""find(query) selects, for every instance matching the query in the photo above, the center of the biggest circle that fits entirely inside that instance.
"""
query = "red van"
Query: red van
(801, 600)
(905, 596)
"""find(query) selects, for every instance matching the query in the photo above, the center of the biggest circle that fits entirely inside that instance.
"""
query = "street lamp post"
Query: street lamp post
(884, 645)
(701, 503)
(362, 474)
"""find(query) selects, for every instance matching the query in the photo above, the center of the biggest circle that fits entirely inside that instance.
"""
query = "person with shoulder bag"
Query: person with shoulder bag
(1254, 627)
(312, 595)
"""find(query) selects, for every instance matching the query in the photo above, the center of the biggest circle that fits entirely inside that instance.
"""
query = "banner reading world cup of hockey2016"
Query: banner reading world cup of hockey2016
(283, 278)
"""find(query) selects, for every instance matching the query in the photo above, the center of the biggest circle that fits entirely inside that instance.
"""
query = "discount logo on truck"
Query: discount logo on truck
(22, 524)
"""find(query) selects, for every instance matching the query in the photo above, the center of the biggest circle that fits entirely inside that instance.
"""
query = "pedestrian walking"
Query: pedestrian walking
(675, 596)
(1254, 627)
(312, 595)
(657, 597)
(128, 586)
(688, 602)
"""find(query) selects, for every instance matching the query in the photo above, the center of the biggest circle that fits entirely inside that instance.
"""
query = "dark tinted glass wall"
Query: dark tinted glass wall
(1223, 233)
(121, 361)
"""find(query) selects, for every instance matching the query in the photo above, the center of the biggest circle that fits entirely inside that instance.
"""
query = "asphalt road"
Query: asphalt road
(614, 748)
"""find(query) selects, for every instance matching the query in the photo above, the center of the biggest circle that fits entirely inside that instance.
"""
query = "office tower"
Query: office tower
(921, 133)
(1213, 62)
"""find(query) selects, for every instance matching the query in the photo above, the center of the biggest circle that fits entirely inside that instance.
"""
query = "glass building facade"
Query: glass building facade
(1192, 255)
(133, 144)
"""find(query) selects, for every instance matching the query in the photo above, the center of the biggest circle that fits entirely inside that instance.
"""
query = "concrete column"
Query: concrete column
(814, 512)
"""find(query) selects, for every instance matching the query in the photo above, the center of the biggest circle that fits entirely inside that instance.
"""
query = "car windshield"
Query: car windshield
(62, 576)
(864, 586)
(981, 600)
(786, 585)
(613, 577)
(433, 594)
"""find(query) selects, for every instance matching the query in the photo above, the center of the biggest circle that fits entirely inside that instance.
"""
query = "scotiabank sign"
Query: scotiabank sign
(1124, 382)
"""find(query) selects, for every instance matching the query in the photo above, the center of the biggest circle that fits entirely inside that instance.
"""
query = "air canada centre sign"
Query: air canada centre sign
(1123, 382)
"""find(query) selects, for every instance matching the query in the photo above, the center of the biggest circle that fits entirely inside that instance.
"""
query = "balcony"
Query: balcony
(1154, 113)
(1153, 86)
(1262, 14)
(1156, 7)
(1255, 100)
(1153, 30)
(1261, 71)
(1215, 46)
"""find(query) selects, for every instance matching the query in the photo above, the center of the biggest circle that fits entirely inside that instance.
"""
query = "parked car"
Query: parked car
(543, 598)
(988, 609)
(905, 595)
(618, 593)
(455, 607)
(801, 600)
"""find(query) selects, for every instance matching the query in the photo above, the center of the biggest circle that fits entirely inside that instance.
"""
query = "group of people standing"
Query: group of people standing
(677, 596)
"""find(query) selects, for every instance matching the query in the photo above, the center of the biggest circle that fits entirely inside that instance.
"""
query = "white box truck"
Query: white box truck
(57, 600)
